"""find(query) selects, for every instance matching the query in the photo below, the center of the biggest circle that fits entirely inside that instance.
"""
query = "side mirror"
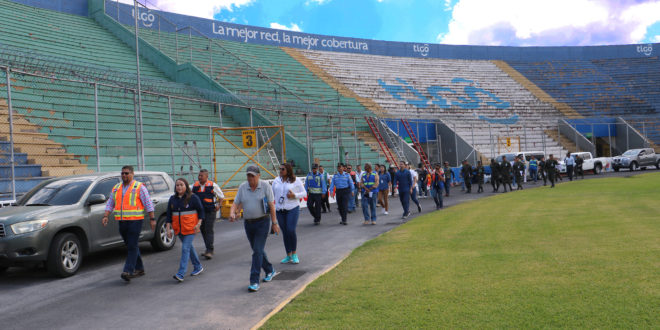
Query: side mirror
(96, 199)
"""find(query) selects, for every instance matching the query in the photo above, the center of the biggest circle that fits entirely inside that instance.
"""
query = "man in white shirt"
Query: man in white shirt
(415, 177)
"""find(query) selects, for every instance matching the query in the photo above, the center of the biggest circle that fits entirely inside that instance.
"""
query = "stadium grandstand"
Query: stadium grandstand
(82, 101)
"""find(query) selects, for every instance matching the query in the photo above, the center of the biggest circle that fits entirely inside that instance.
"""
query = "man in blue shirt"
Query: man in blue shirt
(403, 179)
(569, 162)
(343, 182)
(315, 187)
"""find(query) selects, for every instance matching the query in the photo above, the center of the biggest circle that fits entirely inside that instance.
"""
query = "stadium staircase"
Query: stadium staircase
(55, 119)
(389, 81)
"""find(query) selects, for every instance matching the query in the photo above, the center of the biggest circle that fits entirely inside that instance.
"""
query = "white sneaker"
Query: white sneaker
(385, 212)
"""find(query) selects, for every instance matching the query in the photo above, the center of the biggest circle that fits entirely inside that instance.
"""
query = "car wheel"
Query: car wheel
(633, 166)
(598, 169)
(161, 242)
(65, 255)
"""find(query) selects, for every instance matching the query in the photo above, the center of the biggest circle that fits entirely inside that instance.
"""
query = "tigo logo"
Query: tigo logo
(645, 49)
(145, 17)
(421, 49)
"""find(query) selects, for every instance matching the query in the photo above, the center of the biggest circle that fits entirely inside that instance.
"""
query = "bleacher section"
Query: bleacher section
(472, 96)
(268, 72)
(625, 87)
(54, 119)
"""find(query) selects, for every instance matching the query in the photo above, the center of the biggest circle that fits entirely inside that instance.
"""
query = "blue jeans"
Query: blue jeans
(288, 220)
(447, 184)
(257, 233)
(404, 197)
(413, 196)
(533, 173)
(130, 233)
(369, 204)
(188, 252)
(436, 193)
(351, 201)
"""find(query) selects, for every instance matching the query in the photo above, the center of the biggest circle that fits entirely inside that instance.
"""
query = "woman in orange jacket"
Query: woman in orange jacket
(184, 214)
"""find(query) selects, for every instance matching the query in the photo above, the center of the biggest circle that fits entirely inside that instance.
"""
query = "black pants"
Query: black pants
(314, 202)
(569, 171)
(342, 201)
(495, 182)
(325, 202)
(208, 223)
(551, 177)
(468, 183)
(519, 182)
(543, 176)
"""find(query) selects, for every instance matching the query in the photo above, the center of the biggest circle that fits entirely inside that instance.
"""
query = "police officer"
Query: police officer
(505, 173)
(211, 196)
(578, 166)
(542, 171)
(494, 175)
(518, 172)
(551, 169)
(343, 182)
(481, 172)
(315, 187)
(466, 173)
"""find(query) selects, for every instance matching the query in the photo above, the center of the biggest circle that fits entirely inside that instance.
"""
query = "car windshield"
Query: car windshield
(58, 192)
(631, 153)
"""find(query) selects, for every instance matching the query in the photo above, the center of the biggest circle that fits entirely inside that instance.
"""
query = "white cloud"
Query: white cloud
(656, 38)
(198, 8)
(292, 27)
(559, 22)
(317, 2)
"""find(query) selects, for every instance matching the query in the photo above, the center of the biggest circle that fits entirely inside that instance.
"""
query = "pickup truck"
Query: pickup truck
(635, 159)
(595, 165)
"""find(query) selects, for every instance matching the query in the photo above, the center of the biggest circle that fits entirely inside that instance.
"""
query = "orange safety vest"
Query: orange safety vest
(128, 206)
(206, 194)
(184, 222)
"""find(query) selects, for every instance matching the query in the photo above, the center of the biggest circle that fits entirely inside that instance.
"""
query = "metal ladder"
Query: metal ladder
(392, 140)
(263, 133)
(379, 138)
(418, 147)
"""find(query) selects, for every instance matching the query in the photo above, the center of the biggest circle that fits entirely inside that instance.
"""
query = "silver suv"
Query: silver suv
(635, 159)
(58, 222)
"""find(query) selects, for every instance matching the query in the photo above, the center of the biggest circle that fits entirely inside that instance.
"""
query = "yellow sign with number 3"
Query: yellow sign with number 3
(249, 138)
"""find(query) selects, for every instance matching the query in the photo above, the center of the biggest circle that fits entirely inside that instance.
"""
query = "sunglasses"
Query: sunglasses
(125, 173)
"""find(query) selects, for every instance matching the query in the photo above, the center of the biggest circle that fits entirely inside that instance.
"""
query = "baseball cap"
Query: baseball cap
(253, 169)
(315, 166)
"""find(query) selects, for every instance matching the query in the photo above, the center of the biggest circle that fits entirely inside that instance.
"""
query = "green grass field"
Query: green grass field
(582, 255)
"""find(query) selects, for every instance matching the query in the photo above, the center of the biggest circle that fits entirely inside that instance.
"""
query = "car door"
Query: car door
(146, 225)
(641, 158)
(103, 236)
(649, 157)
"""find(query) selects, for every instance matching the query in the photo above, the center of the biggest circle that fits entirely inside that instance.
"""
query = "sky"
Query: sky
(457, 22)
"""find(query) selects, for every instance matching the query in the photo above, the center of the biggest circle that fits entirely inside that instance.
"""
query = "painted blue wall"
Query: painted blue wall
(597, 126)
(257, 35)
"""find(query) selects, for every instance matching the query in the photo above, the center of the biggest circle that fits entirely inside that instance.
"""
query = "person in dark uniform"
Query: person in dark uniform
(325, 201)
(578, 166)
(466, 173)
(392, 171)
(518, 172)
(505, 173)
(494, 175)
(551, 169)
(542, 171)
(481, 172)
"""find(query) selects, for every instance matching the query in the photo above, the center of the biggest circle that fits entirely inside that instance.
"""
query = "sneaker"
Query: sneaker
(385, 213)
(344, 223)
(138, 273)
(405, 216)
(176, 277)
(197, 272)
(126, 276)
(366, 222)
(294, 259)
(286, 260)
(373, 223)
(269, 276)
(419, 208)
(254, 287)
(316, 223)
(208, 255)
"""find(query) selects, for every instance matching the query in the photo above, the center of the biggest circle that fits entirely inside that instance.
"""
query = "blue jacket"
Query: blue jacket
(384, 179)
(341, 181)
(176, 204)
(403, 179)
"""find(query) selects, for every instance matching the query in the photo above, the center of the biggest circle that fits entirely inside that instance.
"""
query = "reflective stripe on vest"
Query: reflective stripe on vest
(131, 207)
(314, 183)
(370, 180)
(184, 222)
(206, 195)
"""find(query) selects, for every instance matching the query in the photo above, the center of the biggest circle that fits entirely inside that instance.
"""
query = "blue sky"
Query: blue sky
(476, 22)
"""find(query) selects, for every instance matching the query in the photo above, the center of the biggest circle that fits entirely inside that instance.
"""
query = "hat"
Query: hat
(253, 169)
(340, 164)
(315, 166)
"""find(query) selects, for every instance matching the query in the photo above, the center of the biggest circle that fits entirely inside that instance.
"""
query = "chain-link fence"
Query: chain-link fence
(62, 125)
